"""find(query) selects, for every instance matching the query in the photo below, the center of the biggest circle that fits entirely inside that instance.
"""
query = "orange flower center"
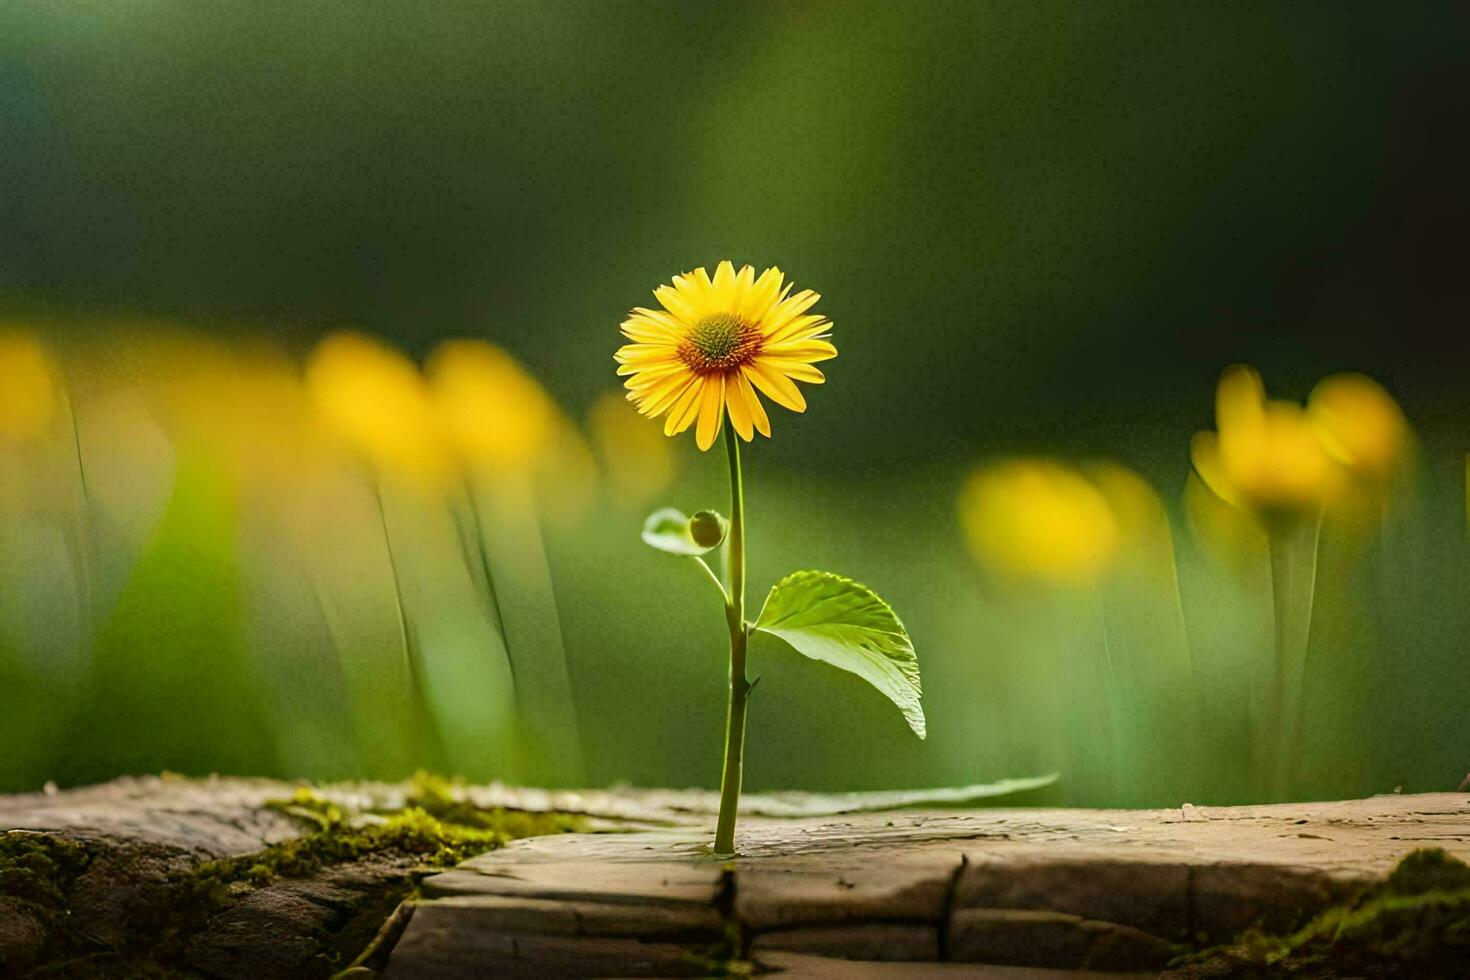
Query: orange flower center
(719, 342)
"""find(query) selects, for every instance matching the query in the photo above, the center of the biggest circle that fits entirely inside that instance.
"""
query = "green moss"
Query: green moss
(1416, 922)
(307, 804)
(445, 800)
(36, 876)
(438, 828)
(413, 833)
(1428, 869)
(442, 799)
(38, 869)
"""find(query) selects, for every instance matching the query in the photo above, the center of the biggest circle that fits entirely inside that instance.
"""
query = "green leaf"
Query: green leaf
(835, 620)
(668, 530)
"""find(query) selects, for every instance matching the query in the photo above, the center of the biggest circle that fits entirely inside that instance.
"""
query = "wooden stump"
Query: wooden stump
(1060, 889)
(815, 892)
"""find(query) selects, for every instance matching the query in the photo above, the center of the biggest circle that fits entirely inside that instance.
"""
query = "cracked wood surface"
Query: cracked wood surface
(144, 837)
(214, 817)
(1061, 889)
(811, 894)
(174, 809)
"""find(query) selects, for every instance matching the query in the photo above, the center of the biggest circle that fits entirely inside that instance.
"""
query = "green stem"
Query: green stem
(739, 686)
(425, 729)
(86, 541)
(1120, 774)
(403, 634)
(710, 573)
(1293, 584)
(476, 558)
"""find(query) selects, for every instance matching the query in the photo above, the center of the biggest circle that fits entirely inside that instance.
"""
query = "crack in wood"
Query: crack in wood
(947, 919)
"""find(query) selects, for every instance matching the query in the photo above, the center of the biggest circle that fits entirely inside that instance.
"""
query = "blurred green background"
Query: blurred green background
(1038, 227)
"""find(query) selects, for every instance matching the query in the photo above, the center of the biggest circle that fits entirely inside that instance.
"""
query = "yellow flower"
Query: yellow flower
(1226, 532)
(28, 388)
(1147, 540)
(375, 399)
(1361, 425)
(243, 402)
(716, 343)
(494, 412)
(638, 462)
(1038, 519)
(1268, 456)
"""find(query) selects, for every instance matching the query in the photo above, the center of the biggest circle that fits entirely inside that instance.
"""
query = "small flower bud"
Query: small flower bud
(707, 528)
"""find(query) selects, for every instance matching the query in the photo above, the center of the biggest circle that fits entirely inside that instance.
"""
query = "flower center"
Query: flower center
(719, 342)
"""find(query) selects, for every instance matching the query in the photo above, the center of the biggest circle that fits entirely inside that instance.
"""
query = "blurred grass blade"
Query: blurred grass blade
(351, 574)
(171, 651)
(516, 557)
(462, 664)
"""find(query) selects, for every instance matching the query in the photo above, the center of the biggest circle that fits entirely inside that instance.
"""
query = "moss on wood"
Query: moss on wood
(437, 829)
(1416, 922)
(38, 869)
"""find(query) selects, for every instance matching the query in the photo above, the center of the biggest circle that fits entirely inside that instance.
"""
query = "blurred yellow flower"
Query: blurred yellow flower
(637, 460)
(1360, 424)
(374, 398)
(29, 388)
(1226, 532)
(566, 473)
(1135, 505)
(494, 412)
(716, 343)
(253, 410)
(1039, 519)
(1143, 523)
(1268, 456)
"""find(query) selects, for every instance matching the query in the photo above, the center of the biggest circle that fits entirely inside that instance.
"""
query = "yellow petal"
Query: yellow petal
(775, 385)
(797, 370)
(744, 283)
(711, 408)
(650, 331)
(664, 394)
(788, 310)
(757, 410)
(648, 377)
(632, 353)
(1204, 451)
(660, 317)
(761, 297)
(677, 303)
(1360, 423)
(802, 328)
(685, 409)
(1240, 400)
(810, 351)
(650, 367)
(739, 409)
